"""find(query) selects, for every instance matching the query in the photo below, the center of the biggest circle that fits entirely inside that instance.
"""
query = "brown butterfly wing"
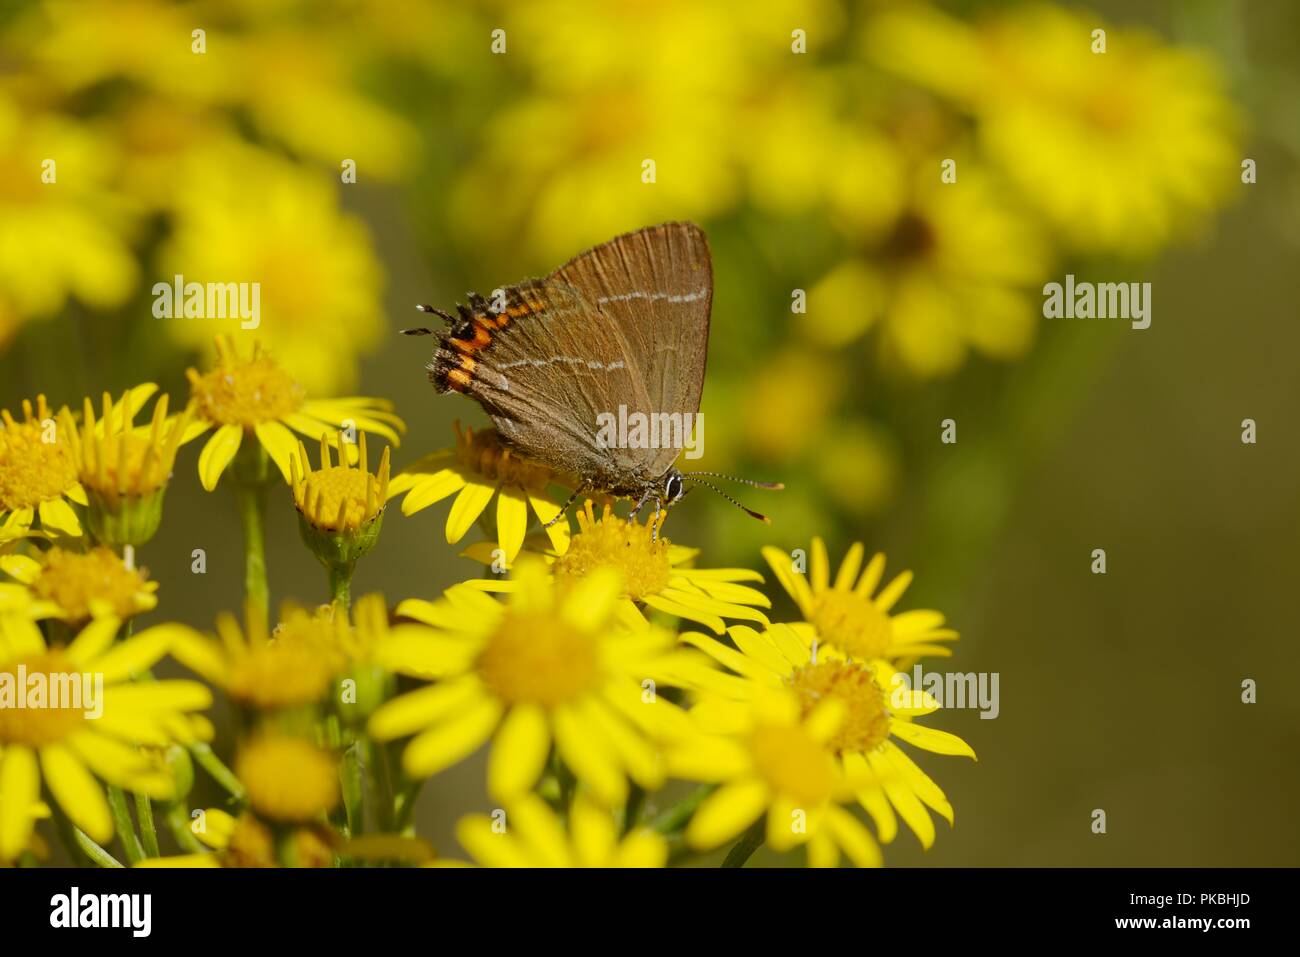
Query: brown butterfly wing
(624, 324)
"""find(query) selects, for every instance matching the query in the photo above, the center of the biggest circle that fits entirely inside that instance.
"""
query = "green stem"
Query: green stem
(406, 808)
(252, 509)
(381, 771)
(124, 825)
(208, 761)
(97, 854)
(674, 819)
(341, 584)
(148, 829)
(354, 793)
(749, 842)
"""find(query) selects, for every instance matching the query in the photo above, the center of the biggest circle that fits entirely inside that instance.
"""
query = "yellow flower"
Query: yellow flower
(1122, 151)
(124, 470)
(243, 216)
(958, 269)
(654, 571)
(876, 708)
(76, 587)
(291, 668)
(534, 836)
(479, 466)
(245, 841)
(340, 509)
(254, 397)
(289, 780)
(596, 115)
(38, 474)
(848, 617)
(771, 759)
(60, 236)
(66, 746)
(545, 668)
(334, 497)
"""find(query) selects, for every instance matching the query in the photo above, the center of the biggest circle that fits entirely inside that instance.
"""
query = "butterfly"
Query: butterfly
(618, 334)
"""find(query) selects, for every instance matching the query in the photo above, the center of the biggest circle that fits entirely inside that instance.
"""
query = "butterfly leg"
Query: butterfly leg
(659, 507)
(631, 516)
(565, 507)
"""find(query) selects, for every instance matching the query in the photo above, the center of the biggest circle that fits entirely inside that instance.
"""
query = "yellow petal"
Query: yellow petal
(519, 752)
(725, 813)
(512, 521)
(856, 840)
(414, 710)
(428, 489)
(593, 830)
(21, 567)
(931, 739)
(469, 505)
(848, 572)
(217, 453)
(91, 641)
(546, 509)
(589, 757)
(58, 516)
(279, 443)
(20, 789)
(819, 567)
(451, 741)
(77, 792)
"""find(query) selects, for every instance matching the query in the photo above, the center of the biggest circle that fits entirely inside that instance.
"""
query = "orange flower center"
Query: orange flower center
(866, 722)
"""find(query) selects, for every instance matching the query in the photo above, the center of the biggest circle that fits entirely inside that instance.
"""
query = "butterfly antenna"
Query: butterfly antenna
(748, 511)
(773, 486)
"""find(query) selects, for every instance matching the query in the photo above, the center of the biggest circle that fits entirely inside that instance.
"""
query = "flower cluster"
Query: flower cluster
(637, 708)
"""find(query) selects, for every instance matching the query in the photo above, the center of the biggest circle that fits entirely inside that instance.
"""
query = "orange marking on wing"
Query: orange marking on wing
(458, 379)
(482, 338)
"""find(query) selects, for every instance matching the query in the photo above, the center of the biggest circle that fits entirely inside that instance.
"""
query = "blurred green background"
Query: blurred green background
(816, 171)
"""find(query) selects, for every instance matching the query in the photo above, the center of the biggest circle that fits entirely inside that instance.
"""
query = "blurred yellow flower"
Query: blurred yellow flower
(480, 466)
(1122, 150)
(547, 667)
(666, 84)
(847, 616)
(253, 397)
(245, 841)
(884, 776)
(653, 571)
(535, 836)
(958, 270)
(78, 586)
(61, 233)
(244, 216)
(289, 780)
(65, 747)
(291, 668)
(770, 759)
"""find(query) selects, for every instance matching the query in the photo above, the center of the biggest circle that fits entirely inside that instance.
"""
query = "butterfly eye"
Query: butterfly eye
(673, 488)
